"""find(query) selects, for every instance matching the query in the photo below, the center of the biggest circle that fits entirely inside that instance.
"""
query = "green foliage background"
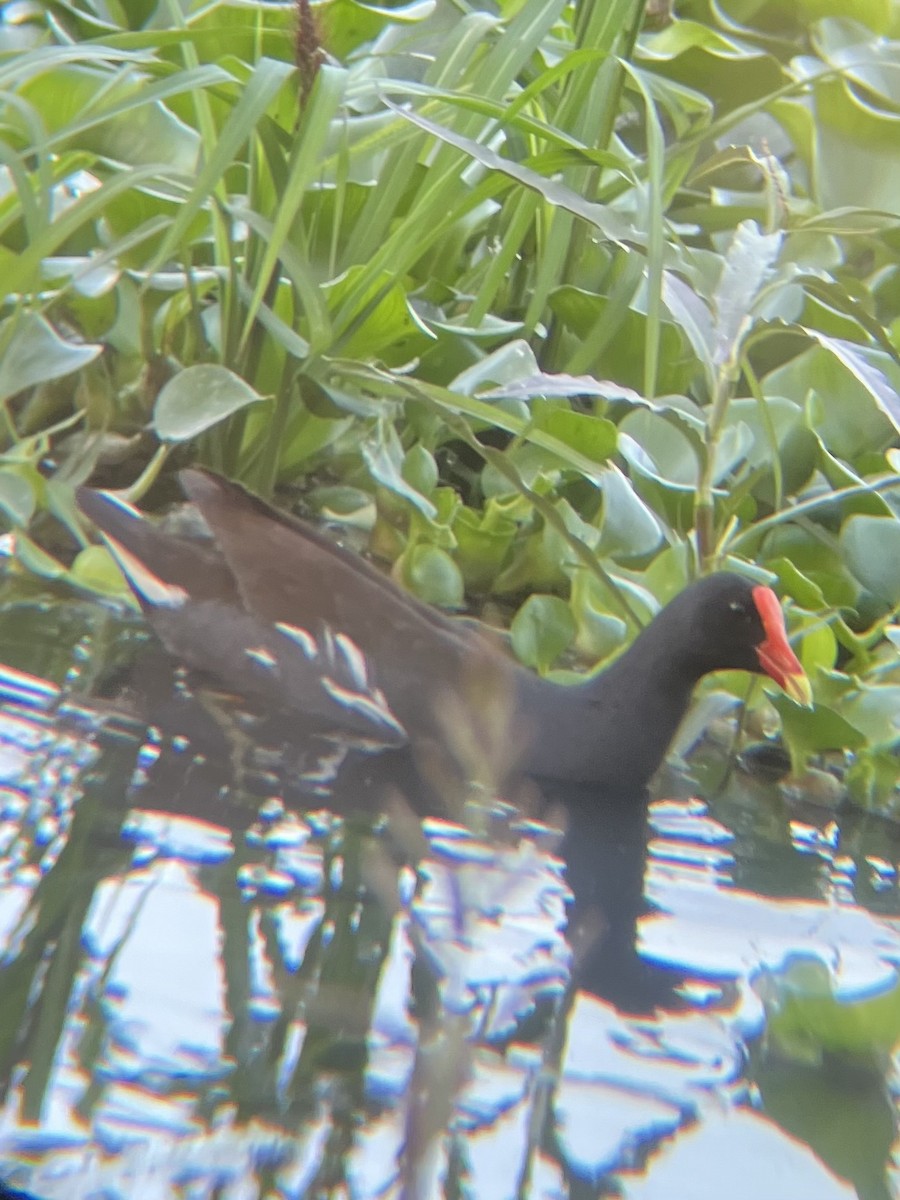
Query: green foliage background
(564, 303)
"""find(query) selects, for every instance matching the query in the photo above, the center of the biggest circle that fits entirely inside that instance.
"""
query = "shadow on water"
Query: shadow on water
(216, 981)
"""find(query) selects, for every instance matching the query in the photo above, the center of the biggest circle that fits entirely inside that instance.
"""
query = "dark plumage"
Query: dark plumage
(305, 628)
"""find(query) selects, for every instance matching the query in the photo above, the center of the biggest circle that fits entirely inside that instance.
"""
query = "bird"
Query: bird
(279, 613)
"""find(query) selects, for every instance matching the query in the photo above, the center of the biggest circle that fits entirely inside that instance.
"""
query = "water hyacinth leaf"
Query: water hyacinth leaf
(807, 1016)
(87, 280)
(799, 453)
(656, 448)
(490, 328)
(510, 364)
(598, 631)
(345, 503)
(681, 36)
(198, 398)
(871, 549)
(383, 322)
(840, 409)
(594, 437)
(432, 575)
(539, 560)
(629, 527)
(810, 731)
(818, 648)
(121, 115)
(862, 499)
(871, 368)
(798, 586)
(35, 354)
(734, 447)
(420, 470)
(483, 543)
(534, 467)
(854, 144)
(96, 569)
(541, 630)
(873, 709)
(17, 498)
(384, 457)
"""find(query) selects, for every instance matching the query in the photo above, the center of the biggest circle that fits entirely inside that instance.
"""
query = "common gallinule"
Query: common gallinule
(281, 614)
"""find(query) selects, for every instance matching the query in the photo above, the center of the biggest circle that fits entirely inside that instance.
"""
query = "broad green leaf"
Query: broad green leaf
(856, 147)
(385, 325)
(96, 569)
(120, 112)
(807, 1015)
(511, 364)
(432, 575)
(17, 498)
(810, 731)
(599, 632)
(850, 419)
(656, 448)
(35, 353)
(818, 648)
(871, 368)
(629, 529)
(420, 470)
(541, 630)
(594, 437)
(483, 544)
(198, 398)
(871, 549)
(383, 455)
(680, 36)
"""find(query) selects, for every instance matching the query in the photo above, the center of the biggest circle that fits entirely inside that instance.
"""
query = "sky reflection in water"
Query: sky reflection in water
(199, 1035)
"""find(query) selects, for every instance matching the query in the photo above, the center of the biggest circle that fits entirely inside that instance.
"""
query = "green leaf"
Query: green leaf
(541, 630)
(810, 731)
(849, 420)
(198, 398)
(420, 470)
(96, 569)
(691, 313)
(35, 353)
(748, 265)
(629, 529)
(594, 437)
(598, 632)
(871, 368)
(807, 1017)
(818, 648)
(383, 455)
(432, 575)
(483, 544)
(17, 498)
(512, 363)
(871, 549)
(603, 218)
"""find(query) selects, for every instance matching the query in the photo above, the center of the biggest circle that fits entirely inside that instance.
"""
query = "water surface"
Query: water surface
(208, 988)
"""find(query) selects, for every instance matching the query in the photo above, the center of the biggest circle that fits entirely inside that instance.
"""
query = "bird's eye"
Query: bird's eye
(737, 607)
